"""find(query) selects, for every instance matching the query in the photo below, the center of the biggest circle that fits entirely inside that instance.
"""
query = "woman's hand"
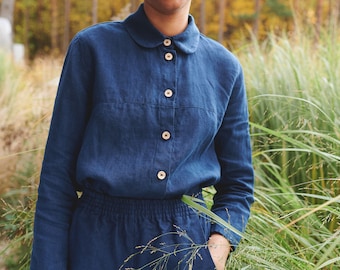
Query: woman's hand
(219, 248)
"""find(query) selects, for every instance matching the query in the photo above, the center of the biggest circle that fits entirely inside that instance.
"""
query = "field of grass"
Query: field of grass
(293, 89)
(26, 99)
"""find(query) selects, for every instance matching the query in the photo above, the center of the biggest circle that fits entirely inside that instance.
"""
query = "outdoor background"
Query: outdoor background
(290, 52)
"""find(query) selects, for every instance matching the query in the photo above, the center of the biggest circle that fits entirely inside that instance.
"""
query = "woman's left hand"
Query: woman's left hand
(219, 248)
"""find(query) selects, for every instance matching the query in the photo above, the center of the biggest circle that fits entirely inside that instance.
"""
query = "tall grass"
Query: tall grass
(294, 111)
(26, 100)
(293, 88)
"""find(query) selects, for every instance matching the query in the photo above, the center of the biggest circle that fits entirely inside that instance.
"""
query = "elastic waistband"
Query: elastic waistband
(107, 205)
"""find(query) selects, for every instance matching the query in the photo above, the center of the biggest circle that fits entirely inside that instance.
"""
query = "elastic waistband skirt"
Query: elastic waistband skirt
(106, 205)
(122, 233)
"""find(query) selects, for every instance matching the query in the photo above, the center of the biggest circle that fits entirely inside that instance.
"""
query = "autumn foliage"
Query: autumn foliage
(48, 26)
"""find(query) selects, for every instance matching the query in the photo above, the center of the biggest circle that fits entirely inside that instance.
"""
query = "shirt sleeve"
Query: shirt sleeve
(57, 189)
(234, 191)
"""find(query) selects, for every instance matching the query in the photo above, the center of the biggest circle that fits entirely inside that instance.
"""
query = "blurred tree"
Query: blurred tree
(66, 36)
(26, 28)
(54, 26)
(318, 16)
(203, 16)
(279, 8)
(48, 25)
(6, 26)
(7, 9)
(335, 11)
(256, 23)
(94, 11)
(222, 6)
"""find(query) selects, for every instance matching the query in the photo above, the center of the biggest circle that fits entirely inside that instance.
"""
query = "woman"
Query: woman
(147, 110)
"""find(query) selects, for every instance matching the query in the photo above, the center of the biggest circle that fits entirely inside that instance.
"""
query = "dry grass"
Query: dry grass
(26, 99)
(3, 245)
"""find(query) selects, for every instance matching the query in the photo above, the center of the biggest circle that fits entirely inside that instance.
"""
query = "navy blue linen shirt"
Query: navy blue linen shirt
(142, 115)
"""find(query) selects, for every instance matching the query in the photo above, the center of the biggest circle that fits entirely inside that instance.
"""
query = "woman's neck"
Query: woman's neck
(169, 24)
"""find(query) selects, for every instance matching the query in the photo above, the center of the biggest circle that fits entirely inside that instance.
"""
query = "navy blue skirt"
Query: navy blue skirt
(110, 233)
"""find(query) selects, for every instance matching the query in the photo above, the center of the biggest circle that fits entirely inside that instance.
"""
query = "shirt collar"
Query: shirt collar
(146, 35)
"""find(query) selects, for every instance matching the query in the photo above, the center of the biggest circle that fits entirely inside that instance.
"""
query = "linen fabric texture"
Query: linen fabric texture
(139, 115)
(109, 231)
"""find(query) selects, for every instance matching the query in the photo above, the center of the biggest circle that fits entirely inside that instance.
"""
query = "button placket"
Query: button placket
(166, 114)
